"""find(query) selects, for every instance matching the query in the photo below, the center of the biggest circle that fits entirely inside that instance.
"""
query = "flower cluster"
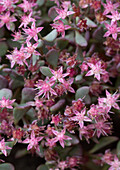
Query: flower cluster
(60, 81)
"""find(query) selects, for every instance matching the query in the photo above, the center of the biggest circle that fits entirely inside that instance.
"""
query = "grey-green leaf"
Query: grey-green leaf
(90, 23)
(51, 36)
(104, 141)
(6, 166)
(7, 93)
(80, 40)
(46, 71)
(42, 167)
(52, 57)
(19, 112)
(81, 92)
(28, 94)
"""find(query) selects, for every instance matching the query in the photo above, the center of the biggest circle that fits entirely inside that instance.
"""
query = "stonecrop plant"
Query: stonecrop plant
(60, 84)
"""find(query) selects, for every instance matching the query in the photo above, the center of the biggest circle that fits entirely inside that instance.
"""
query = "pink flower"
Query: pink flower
(101, 127)
(30, 49)
(3, 147)
(44, 88)
(110, 101)
(112, 29)
(115, 16)
(27, 6)
(96, 70)
(33, 142)
(57, 75)
(115, 165)
(63, 13)
(6, 19)
(26, 19)
(67, 85)
(56, 119)
(18, 57)
(60, 27)
(8, 4)
(109, 7)
(60, 137)
(17, 36)
(6, 103)
(32, 32)
(80, 118)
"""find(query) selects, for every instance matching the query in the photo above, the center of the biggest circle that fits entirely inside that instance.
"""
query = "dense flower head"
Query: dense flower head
(7, 19)
(18, 57)
(3, 147)
(33, 141)
(60, 27)
(6, 103)
(47, 98)
(45, 88)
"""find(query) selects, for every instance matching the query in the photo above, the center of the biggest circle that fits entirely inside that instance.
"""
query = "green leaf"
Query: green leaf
(118, 149)
(3, 82)
(51, 36)
(40, 2)
(62, 43)
(7, 93)
(80, 40)
(34, 59)
(42, 167)
(52, 57)
(46, 71)
(28, 94)
(81, 92)
(79, 53)
(3, 48)
(40, 43)
(90, 23)
(78, 78)
(19, 112)
(58, 105)
(6, 166)
(13, 43)
(104, 141)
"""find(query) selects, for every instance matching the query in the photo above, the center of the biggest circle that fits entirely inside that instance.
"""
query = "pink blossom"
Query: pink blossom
(60, 137)
(59, 25)
(27, 6)
(110, 101)
(57, 75)
(8, 4)
(63, 13)
(26, 19)
(101, 127)
(3, 147)
(56, 119)
(66, 4)
(18, 57)
(33, 141)
(32, 32)
(109, 7)
(115, 16)
(80, 118)
(44, 88)
(115, 165)
(112, 29)
(30, 49)
(6, 19)
(17, 36)
(96, 70)
(6, 103)
(67, 85)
